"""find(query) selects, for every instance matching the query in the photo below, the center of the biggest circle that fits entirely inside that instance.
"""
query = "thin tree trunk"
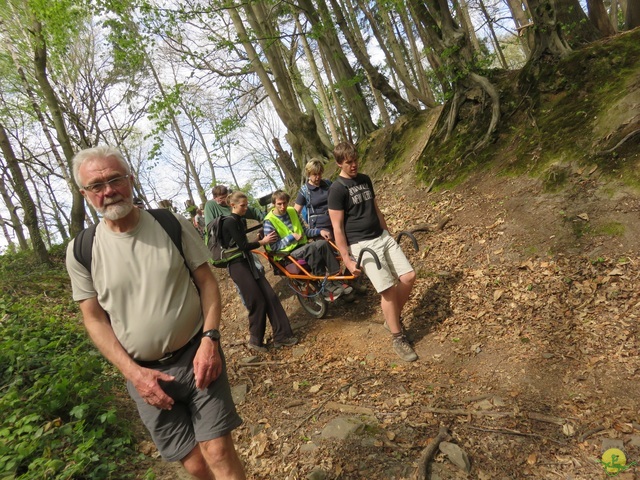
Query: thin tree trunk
(422, 78)
(322, 92)
(524, 25)
(463, 10)
(395, 63)
(16, 224)
(30, 216)
(494, 37)
(344, 74)
(182, 144)
(7, 237)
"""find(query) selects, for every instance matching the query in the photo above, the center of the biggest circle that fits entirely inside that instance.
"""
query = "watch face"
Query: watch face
(214, 334)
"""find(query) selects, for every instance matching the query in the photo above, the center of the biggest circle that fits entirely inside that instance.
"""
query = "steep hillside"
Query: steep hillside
(524, 315)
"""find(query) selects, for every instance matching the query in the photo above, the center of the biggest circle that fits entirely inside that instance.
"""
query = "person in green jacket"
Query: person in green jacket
(218, 206)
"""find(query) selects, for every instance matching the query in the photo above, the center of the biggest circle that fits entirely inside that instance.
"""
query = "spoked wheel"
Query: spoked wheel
(309, 297)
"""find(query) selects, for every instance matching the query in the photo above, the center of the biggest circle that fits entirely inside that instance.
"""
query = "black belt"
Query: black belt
(171, 357)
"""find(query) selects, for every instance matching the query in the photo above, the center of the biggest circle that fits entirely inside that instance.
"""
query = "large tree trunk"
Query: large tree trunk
(445, 36)
(548, 37)
(577, 30)
(304, 141)
(29, 208)
(599, 17)
(40, 63)
(632, 15)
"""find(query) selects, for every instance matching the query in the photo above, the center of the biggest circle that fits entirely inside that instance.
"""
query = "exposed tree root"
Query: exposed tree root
(428, 453)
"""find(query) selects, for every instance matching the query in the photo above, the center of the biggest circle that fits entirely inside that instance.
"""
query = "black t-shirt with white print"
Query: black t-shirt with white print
(355, 196)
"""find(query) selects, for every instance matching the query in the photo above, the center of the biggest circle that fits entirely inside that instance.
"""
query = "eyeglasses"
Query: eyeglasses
(117, 182)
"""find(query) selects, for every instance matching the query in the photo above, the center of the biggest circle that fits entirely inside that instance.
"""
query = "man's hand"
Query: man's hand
(207, 364)
(326, 234)
(351, 266)
(146, 383)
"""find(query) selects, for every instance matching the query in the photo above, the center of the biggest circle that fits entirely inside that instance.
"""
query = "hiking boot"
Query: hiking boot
(360, 284)
(403, 349)
(332, 290)
(403, 329)
(287, 342)
(257, 348)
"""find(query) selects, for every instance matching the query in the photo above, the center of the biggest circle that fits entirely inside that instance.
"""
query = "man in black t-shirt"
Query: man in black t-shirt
(358, 223)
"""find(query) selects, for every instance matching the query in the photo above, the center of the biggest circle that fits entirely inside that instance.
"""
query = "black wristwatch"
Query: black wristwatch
(212, 334)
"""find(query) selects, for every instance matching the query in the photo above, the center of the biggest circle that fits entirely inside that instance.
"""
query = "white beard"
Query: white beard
(116, 211)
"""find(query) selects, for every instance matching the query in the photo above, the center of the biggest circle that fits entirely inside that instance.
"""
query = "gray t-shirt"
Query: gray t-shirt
(140, 280)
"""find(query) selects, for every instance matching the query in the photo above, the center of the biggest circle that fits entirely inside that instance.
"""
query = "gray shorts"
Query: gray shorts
(196, 416)
(392, 259)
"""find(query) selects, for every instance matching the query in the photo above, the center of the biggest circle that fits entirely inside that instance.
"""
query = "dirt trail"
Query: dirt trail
(524, 316)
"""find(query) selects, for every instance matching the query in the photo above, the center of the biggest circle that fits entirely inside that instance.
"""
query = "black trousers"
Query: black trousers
(320, 257)
(261, 301)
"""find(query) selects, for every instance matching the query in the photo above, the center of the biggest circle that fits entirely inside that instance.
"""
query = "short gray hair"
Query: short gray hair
(101, 151)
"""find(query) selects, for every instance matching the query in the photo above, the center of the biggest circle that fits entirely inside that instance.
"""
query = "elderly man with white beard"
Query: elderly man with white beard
(154, 313)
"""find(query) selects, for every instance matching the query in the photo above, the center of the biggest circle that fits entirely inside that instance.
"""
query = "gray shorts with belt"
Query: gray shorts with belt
(196, 416)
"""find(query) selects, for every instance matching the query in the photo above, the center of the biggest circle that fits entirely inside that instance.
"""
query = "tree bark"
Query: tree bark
(577, 30)
(346, 79)
(51, 99)
(378, 80)
(548, 37)
(632, 15)
(599, 17)
(15, 224)
(30, 215)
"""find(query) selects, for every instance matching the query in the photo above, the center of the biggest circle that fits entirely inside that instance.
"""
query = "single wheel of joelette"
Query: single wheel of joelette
(310, 297)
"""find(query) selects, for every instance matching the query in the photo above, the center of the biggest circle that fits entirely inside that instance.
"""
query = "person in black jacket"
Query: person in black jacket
(259, 297)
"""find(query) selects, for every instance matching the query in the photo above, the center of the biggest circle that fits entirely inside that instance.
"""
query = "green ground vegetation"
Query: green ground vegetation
(56, 392)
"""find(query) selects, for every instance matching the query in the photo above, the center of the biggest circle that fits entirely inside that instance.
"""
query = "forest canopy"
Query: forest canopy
(198, 93)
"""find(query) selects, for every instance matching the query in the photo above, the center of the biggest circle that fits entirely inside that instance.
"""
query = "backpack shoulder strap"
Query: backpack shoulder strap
(83, 246)
(83, 243)
(170, 224)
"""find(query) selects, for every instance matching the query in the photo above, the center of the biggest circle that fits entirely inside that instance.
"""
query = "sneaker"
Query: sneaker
(257, 348)
(332, 290)
(287, 342)
(403, 349)
(346, 289)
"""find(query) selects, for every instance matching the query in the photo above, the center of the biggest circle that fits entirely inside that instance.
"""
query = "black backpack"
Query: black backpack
(220, 255)
(83, 244)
